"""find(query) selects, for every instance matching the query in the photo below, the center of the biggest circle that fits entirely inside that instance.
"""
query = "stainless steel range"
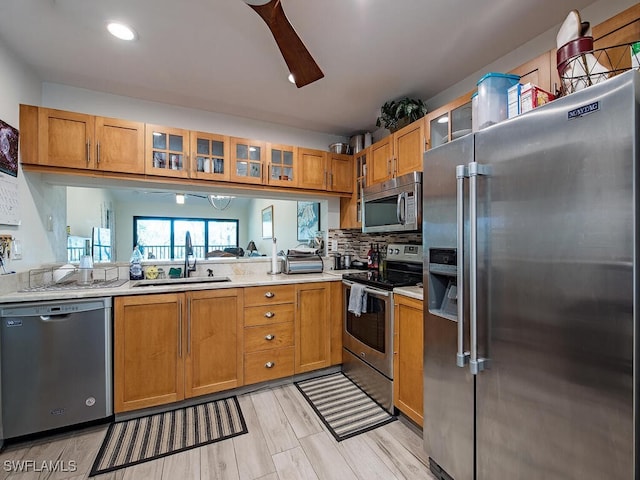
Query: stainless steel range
(367, 336)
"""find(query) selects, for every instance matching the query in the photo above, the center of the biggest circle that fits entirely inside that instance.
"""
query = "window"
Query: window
(163, 238)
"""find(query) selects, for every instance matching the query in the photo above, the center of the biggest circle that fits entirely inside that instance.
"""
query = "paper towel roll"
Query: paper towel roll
(274, 257)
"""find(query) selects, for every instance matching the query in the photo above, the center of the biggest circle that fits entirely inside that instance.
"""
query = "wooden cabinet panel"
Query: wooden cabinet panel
(267, 314)
(214, 335)
(148, 352)
(265, 337)
(313, 335)
(174, 346)
(209, 156)
(379, 168)
(537, 71)
(408, 147)
(313, 169)
(341, 173)
(119, 145)
(166, 151)
(408, 357)
(65, 139)
(247, 160)
(268, 365)
(282, 161)
(336, 321)
(268, 295)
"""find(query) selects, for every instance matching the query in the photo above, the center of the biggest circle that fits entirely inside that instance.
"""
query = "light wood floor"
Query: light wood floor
(285, 441)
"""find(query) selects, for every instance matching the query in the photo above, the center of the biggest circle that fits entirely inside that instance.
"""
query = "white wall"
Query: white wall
(37, 199)
(595, 13)
(97, 103)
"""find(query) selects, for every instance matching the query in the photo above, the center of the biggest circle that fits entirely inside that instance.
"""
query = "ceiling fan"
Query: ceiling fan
(301, 64)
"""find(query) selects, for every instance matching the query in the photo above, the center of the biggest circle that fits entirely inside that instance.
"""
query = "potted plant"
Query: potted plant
(398, 113)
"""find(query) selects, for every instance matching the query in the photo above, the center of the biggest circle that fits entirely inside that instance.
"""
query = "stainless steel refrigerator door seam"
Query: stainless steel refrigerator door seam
(476, 365)
(462, 172)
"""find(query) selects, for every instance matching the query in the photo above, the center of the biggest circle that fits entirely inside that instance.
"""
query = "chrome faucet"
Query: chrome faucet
(188, 250)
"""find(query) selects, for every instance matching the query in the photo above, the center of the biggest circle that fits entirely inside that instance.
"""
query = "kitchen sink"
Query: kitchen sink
(179, 281)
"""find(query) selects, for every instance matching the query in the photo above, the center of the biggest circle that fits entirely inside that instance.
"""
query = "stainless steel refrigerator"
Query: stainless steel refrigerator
(530, 239)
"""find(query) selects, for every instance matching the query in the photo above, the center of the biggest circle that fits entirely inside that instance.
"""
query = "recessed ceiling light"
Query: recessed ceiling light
(291, 79)
(121, 31)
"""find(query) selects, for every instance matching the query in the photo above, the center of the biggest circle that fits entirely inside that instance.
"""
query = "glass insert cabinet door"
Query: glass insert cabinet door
(247, 160)
(167, 151)
(282, 165)
(210, 154)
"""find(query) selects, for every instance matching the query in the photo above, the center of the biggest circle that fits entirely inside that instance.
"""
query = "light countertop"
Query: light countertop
(412, 292)
(236, 281)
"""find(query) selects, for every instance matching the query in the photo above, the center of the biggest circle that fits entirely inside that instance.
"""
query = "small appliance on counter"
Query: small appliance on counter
(299, 262)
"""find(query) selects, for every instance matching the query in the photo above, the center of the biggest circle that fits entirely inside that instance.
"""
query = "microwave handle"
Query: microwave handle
(401, 207)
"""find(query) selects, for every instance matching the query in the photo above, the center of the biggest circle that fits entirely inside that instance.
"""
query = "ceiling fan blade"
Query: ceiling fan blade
(300, 62)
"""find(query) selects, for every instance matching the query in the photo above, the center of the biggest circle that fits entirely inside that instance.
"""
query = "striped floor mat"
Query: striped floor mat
(342, 406)
(147, 438)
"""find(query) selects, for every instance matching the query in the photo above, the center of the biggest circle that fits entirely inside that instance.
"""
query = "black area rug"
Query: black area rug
(342, 406)
(147, 438)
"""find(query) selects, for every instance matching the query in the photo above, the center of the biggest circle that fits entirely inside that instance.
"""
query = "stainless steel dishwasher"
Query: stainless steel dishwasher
(56, 364)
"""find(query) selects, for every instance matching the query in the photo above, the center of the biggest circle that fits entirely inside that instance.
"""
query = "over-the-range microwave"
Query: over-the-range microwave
(394, 205)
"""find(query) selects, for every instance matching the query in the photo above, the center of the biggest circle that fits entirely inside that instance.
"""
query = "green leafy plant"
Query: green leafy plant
(401, 112)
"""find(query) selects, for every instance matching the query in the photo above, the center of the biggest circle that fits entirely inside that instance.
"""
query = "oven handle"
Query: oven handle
(371, 291)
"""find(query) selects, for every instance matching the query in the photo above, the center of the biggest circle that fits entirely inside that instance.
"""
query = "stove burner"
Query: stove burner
(386, 280)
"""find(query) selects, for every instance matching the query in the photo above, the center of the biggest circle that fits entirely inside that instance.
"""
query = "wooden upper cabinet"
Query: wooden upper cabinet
(209, 156)
(65, 139)
(312, 165)
(449, 121)
(119, 145)
(380, 168)
(166, 151)
(59, 138)
(538, 72)
(408, 147)
(351, 207)
(340, 173)
(622, 28)
(282, 165)
(247, 160)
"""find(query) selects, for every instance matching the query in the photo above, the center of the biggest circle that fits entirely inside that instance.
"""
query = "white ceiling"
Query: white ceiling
(218, 55)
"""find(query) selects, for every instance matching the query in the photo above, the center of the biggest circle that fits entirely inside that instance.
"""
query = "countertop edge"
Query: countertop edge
(237, 281)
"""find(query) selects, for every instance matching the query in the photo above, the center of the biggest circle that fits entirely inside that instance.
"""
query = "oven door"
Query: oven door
(370, 335)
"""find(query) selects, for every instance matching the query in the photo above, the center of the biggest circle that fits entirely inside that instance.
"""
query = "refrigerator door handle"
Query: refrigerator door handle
(476, 365)
(462, 357)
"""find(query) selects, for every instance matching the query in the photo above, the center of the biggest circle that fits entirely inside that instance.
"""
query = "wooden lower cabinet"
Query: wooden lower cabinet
(313, 334)
(172, 346)
(214, 336)
(408, 357)
(268, 332)
(336, 313)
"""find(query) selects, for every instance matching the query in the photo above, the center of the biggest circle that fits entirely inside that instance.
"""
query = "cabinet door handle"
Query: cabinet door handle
(270, 314)
(189, 327)
(389, 166)
(269, 294)
(180, 328)
(88, 151)
(269, 337)
(269, 365)
(98, 153)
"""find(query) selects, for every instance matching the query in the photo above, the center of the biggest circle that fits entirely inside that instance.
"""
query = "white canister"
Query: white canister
(367, 139)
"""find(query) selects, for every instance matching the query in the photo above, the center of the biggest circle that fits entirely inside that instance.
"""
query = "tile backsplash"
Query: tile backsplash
(358, 242)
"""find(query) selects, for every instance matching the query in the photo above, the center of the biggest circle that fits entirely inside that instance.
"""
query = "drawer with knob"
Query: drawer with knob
(268, 364)
(267, 314)
(264, 337)
(269, 294)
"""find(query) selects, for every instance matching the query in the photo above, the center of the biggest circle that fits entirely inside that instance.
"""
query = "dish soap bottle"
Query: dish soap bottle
(135, 265)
